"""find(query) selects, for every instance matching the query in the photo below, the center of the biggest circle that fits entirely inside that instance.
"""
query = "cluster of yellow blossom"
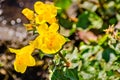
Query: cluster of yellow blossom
(43, 13)
(48, 41)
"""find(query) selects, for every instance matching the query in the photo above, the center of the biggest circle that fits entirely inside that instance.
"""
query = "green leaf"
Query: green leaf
(65, 23)
(71, 74)
(67, 39)
(58, 75)
(112, 21)
(83, 20)
(89, 20)
(106, 54)
(41, 54)
(63, 4)
(110, 73)
(102, 40)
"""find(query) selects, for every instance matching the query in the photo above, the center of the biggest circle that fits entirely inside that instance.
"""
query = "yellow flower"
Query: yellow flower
(28, 13)
(23, 58)
(46, 13)
(43, 13)
(49, 41)
(43, 9)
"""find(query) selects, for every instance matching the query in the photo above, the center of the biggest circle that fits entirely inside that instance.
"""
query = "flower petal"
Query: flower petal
(52, 9)
(27, 49)
(52, 20)
(14, 50)
(42, 28)
(39, 19)
(62, 40)
(31, 61)
(28, 13)
(19, 65)
(38, 42)
(54, 27)
(39, 7)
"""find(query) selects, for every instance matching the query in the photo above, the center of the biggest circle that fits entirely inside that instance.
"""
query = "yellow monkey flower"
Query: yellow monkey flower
(43, 9)
(49, 41)
(23, 58)
(46, 12)
(43, 13)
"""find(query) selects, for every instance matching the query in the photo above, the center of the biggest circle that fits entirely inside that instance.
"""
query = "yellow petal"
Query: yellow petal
(28, 13)
(39, 19)
(27, 49)
(54, 27)
(31, 61)
(42, 28)
(52, 10)
(19, 65)
(51, 20)
(62, 39)
(39, 7)
(48, 50)
(38, 42)
(14, 50)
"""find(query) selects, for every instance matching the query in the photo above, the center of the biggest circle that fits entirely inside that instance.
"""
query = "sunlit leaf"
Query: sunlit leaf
(63, 4)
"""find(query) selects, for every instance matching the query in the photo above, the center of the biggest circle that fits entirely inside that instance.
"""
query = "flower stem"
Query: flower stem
(67, 63)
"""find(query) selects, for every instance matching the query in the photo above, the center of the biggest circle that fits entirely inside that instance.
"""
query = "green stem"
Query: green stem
(67, 63)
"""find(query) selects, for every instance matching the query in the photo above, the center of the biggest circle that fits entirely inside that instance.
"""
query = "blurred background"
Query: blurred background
(82, 21)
